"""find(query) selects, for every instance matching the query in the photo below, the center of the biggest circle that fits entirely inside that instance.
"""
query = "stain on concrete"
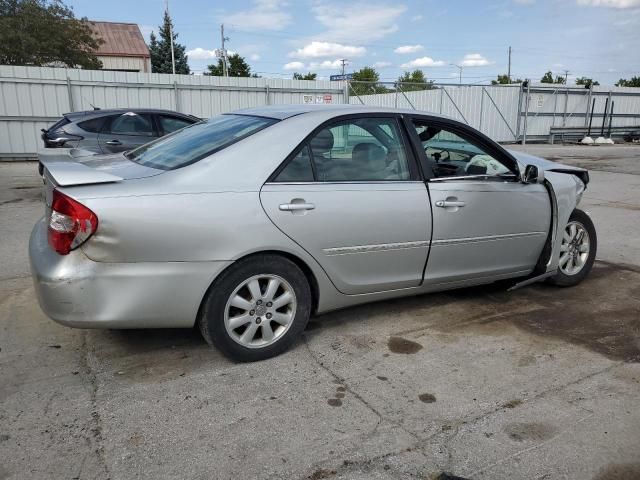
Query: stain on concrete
(512, 403)
(339, 395)
(427, 398)
(520, 432)
(321, 473)
(335, 402)
(619, 471)
(403, 346)
(136, 439)
(447, 476)
(382, 378)
(601, 314)
(526, 360)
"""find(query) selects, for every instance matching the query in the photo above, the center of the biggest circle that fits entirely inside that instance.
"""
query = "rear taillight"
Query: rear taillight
(70, 224)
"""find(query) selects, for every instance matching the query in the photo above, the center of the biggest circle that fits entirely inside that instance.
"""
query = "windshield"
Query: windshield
(193, 143)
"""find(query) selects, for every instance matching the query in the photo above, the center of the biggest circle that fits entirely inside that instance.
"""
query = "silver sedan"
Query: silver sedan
(250, 222)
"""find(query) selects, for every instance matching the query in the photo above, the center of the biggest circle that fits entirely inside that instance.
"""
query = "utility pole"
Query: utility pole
(343, 61)
(225, 66)
(459, 67)
(509, 67)
(173, 58)
(566, 76)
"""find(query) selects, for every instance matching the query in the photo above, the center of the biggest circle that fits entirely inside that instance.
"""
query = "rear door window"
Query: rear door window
(299, 169)
(360, 150)
(131, 124)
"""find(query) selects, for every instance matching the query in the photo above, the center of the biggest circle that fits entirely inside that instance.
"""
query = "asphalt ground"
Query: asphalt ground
(539, 383)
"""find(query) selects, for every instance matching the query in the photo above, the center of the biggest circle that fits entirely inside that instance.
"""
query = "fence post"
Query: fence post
(566, 106)
(586, 115)
(526, 114)
(441, 98)
(175, 96)
(70, 94)
(267, 93)
(555, 107)
(481, 107)
(346, 92)
(519, 117)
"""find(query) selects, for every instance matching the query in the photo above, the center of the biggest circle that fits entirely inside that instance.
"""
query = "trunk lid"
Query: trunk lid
(77, 167)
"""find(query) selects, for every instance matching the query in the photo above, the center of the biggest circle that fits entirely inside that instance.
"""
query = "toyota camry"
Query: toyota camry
(250, 222)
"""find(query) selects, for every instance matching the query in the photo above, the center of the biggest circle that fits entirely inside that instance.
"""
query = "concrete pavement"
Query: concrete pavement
(539, 383)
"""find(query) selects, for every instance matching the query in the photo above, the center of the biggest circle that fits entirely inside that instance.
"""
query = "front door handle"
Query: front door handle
(449, 203)
(114, 142)
(294, 207)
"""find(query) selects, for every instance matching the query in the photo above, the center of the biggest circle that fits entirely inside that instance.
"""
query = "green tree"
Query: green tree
(411, 81)
(238, 67)
(369, 75)
(45, 32)
(504, 80)
(548, 78)
(160, 50)
(634, 82)
(587, 82)
(304, 76)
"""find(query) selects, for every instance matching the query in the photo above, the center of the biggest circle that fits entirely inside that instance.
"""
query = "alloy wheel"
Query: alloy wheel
(260, 311)
(574, 250)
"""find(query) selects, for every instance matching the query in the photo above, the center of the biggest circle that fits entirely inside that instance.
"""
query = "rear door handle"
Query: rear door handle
(114, 142)
(449, 203)
(293, 207)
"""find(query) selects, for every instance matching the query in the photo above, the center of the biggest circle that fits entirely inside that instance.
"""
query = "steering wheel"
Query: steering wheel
(438, 155)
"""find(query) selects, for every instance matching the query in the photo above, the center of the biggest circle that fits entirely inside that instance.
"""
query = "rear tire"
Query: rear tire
(257, 308)
(578, 250)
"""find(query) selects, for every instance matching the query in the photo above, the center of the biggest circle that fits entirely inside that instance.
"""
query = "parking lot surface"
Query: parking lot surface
(539, 383)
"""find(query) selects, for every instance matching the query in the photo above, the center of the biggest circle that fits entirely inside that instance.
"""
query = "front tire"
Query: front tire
(257, 308)
(577, 251)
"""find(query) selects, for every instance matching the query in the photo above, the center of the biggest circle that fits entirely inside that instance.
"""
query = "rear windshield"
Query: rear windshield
(197, 141)
(59, 124)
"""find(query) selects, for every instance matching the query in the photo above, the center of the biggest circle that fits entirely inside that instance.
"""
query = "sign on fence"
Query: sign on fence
(337, 78)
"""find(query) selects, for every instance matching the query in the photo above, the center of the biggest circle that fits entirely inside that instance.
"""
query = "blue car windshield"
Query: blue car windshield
(197, 141)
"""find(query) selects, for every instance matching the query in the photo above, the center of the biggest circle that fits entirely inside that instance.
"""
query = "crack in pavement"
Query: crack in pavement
(96, 420)
(456, 426)
(528, 449)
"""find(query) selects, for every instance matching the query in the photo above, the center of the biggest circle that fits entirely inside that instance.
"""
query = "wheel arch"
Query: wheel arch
(301, 264)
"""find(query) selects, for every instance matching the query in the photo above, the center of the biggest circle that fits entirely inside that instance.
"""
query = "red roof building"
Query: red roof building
(124, 48)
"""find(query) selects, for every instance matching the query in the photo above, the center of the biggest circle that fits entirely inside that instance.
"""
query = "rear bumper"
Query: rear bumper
(78, 292)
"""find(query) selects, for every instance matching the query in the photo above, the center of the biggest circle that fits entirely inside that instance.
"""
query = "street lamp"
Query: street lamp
(459, 67)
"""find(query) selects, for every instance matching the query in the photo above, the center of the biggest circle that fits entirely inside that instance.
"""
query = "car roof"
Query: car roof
(73, 116)
(282, 112)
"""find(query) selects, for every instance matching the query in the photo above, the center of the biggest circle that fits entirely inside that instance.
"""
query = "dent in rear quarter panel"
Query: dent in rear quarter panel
(192, 227)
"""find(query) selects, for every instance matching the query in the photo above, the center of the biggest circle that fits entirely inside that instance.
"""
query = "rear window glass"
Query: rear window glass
(197, 141)
(59, 124)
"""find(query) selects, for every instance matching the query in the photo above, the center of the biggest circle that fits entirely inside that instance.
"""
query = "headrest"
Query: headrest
(322, 142)
(368, 152)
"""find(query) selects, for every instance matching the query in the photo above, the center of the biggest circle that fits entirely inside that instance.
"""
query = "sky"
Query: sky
(599, 39)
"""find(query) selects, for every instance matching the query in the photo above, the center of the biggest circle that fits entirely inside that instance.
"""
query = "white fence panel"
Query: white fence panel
(32, 98)
(492, 110)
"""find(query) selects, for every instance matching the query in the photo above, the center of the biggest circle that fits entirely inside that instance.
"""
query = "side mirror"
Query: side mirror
(532, 174)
